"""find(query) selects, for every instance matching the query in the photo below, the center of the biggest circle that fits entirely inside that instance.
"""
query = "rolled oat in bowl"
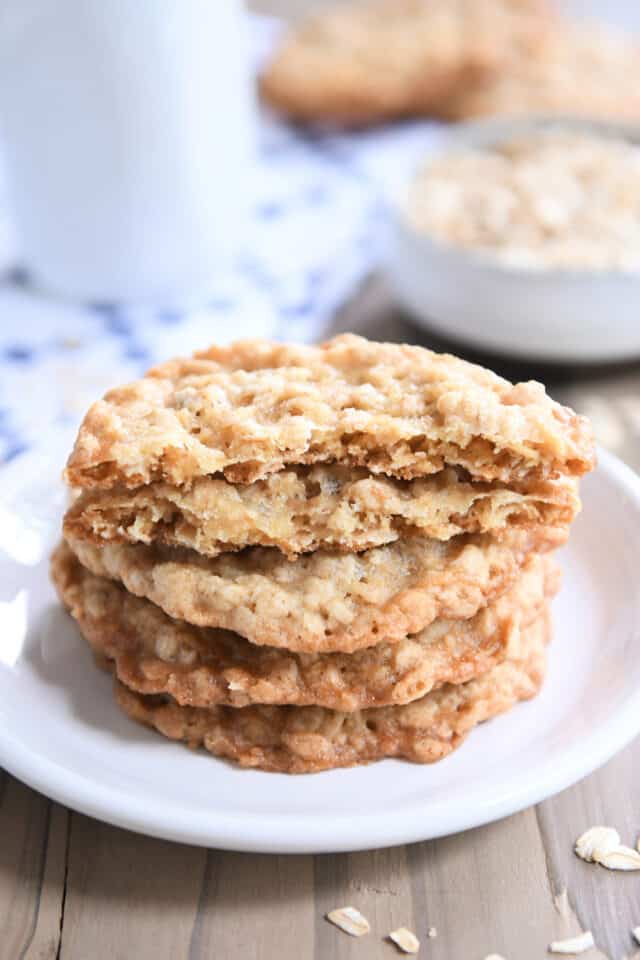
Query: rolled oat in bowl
(551, 199)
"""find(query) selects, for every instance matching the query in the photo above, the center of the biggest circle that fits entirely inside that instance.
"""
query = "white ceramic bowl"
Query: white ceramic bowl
(577, 316)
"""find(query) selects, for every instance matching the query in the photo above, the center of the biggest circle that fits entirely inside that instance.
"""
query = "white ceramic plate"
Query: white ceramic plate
(61, 733)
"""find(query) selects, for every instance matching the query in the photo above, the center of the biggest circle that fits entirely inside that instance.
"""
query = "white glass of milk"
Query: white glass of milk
(126, 133)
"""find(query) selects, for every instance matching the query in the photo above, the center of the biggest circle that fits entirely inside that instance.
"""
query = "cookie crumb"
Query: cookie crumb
(405, 940)
(350, 921)
(432, 932)
(579, 944)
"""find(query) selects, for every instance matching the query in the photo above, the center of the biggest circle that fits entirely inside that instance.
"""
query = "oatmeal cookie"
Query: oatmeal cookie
(310, 739)
(154, 654)
(358, 64)
(579, 69)
(324, 601)
(302, 509)
(251, 408)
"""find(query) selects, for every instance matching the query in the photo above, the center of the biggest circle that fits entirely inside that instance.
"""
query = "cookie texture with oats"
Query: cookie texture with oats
(302, 509)
(251, 408)
(154, 654)
(310, 739)
(325, 601)
(577, 68)
(360, 63)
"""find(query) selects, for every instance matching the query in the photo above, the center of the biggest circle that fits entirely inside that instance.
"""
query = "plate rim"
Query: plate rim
(313, 833)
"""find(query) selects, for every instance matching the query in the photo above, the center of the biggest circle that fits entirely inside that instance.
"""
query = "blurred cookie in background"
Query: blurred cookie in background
(362, 63)
(575, 68)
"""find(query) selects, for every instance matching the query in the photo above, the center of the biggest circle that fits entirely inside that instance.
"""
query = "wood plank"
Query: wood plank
(376, 882)
(31, 871)
(254, 906)
(488, 891)
(50, 903)
(128, 895)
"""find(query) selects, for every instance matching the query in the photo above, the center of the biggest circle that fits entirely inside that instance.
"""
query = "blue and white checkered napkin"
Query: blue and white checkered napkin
(315, 233)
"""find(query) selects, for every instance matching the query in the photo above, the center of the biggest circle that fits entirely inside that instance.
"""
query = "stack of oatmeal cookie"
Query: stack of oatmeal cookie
(311, 557)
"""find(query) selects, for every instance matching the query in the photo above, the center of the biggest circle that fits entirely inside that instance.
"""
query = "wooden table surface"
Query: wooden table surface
(72, 888)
